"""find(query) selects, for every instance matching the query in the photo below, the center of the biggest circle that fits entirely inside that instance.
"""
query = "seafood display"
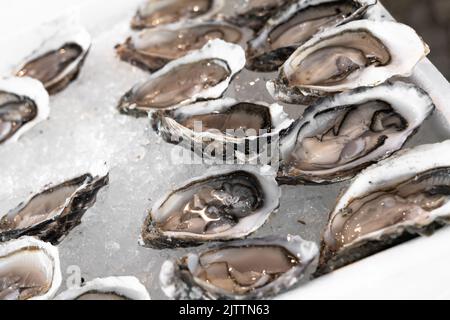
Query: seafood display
(23, 104)
(223, 205)
(29, 270)
(112, 288)
(246, 269)
(263, 144)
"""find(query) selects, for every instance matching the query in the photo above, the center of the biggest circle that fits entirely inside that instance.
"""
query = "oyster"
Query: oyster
(112, 288)
(245, 269)
(29, 270)
(23, 104)
(59, 59)
(154, 13)
(341, 135)
(226, 204)
(54, 212)
(152, 49)
(200, 75)
(358, 54)
(389, 203)
(255, 13)
(284, 33)
(217, 126)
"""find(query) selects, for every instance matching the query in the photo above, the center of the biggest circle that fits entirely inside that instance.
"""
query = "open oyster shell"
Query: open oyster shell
(200, 75)
(152, 49)
(29, 270)
(360, 53)
(59, 58)
(295, 25)
(224, 204)
(23, 104)
(341, 135)
(216, 127)
(245, 269)
(153, 13)
(389, 203)
(51, 214)
(111, 288)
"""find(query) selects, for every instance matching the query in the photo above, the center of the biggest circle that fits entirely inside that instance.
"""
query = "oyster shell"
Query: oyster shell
(215, 127)
(54, 212)
(245, 269)
(111, 288)
(254, 14)
(29, 270)
(226, 204)
(58, 61)
(389, 203)
(23, 104)
(283, 34)
(341, 135)
(153, 13)
(360, 53)
(152, 49)
(200, 75)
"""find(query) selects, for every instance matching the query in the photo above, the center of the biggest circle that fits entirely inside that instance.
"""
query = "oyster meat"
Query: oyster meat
(343, 134)
(29, 270)
(245, 269)
(283, 34)
(153, 13)
(200, 75)
(152, 49)
(59, 60)
(111, 288)
(54, 212)
(216, 127)
(360, 53)
(23, 104)
(377, 212)
(255, 13)
(226, 204)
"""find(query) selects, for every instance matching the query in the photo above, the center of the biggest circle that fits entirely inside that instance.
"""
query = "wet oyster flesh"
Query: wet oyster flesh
(51, 214)
(15, 112)
(29, 269)
(154, 48)
(159, 12)
(248, 269)
(222, 206)
(278, 41)
(49, 67)
(387, 212)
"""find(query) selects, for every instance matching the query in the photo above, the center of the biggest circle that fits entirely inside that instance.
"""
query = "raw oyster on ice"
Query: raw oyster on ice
(29, 270)
(292, 27)
(59, 59)
(111, 288)
(218, 127)
(245, 269)
(54, 212)
(255, 13)
(200, 75)
(223, 205)
(360, 53)
(152, 49)
(391, 202)
(23, 104)
(341, 135)
(153, 13)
